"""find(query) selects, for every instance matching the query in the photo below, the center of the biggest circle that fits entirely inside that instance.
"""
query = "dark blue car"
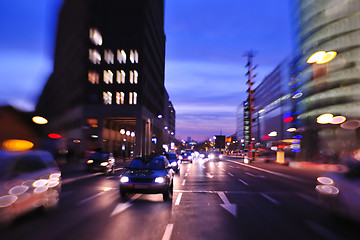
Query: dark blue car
(151, 174)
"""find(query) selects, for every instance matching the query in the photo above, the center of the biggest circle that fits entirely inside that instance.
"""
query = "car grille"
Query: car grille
(142, 180)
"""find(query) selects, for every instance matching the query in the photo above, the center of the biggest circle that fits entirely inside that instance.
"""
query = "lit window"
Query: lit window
(109, 56)
(120, 97)
(93, 77)
(136, 56)
(133, 98)
(120, 76)
(95, 36)
(136, 77)
(108, 76)
(133, 77)
(94, 56)
(132, 56)
(107, 97)
(121, 56)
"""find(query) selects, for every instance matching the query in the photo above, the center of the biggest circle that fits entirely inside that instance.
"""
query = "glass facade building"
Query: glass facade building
(332, 87)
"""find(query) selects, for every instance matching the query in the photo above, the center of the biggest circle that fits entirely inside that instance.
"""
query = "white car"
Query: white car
(340, 192)
(28, 180)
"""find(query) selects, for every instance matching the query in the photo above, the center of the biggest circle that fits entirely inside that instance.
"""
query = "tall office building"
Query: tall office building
(107, 88)
(327, 87)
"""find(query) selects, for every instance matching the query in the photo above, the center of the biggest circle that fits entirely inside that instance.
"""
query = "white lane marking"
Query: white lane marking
(186, 174)
(183, 182)
(168, 232)
(223, 170)
(230, 174)
(178, 199)
(227, 205)
(268, 171)
(253, 175)
(123, 206)
(70, 180)
(326, 233)
(243, 182)
(90, 198)
(270, 198)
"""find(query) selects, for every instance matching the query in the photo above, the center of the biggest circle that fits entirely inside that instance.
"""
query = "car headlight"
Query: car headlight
(124, 179)
(90, 161)
(190, 157)
(211, 156)
(180, 157)
(220, 156)
(173, 164)
(159, 180)
(104, 164)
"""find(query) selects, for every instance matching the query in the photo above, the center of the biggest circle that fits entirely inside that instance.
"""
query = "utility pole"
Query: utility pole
(249, 105)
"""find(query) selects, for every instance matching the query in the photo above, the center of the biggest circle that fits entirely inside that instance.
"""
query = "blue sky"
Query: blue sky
(204, 74)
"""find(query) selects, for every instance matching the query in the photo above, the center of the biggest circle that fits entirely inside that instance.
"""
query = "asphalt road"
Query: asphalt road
(221, 199)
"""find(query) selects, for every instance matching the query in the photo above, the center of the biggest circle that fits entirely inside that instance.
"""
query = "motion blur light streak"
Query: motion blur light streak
(329, 56)
(325, 180)
(18, 190)
(322, 57)
(39, 120)
(325, 118)
(316, 57)
(7, 200)
(351, 124)
(17, 145)
(338, 120)
(325, 189)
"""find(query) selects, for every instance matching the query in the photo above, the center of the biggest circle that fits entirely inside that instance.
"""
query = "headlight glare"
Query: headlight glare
(104, 164)
(90, 161)
(124, 179)
(159, 180)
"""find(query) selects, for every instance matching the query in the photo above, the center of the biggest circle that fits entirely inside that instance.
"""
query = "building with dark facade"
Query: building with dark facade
(107, 88)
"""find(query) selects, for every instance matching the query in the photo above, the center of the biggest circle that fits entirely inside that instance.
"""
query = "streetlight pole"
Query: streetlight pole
(250, 103)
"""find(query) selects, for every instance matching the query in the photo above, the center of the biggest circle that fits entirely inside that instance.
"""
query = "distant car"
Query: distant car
(101, 162)
(174, 161)
(204, 155)
(215, 155)
(150, 174)
(340, 192)
(186, 157)
(28, 180)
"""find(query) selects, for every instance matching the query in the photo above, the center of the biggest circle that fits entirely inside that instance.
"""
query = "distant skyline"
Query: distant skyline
(204, 69)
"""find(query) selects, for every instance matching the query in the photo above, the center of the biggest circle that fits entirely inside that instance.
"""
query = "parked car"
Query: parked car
(186, 157)
(340, 192)
(174, 161)
(150, 174)
(101, 162)
(28, 180)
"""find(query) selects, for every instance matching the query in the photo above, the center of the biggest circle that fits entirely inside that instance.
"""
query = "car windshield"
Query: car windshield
(147, 163)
